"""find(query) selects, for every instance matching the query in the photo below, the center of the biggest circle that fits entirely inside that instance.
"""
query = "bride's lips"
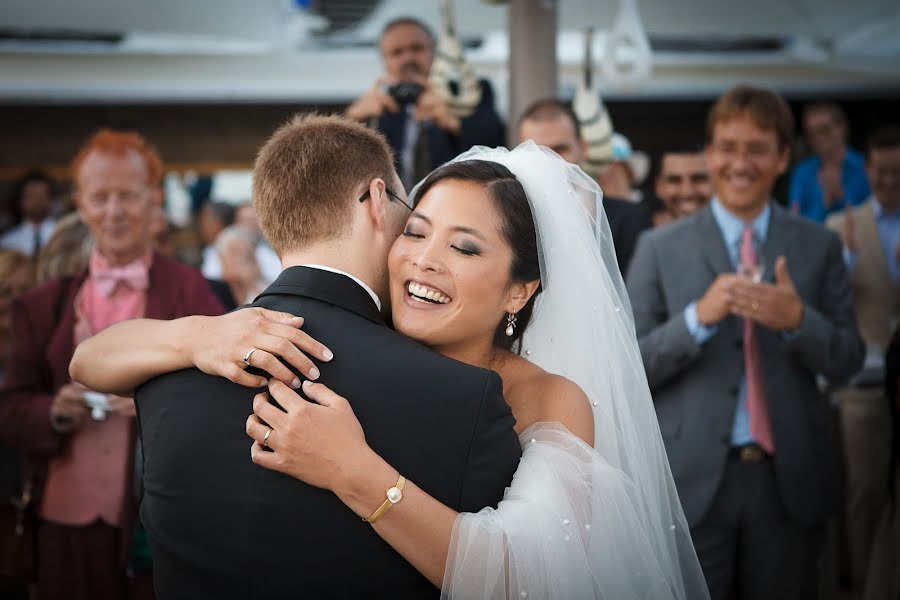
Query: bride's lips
(421, 294)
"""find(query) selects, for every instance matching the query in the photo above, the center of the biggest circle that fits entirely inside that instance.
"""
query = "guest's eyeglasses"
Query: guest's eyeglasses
(390, 194)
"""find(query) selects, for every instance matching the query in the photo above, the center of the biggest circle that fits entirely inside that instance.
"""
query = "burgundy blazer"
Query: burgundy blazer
(43, 321)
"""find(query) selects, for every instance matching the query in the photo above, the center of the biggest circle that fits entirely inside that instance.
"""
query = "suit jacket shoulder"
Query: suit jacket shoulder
(676, 232)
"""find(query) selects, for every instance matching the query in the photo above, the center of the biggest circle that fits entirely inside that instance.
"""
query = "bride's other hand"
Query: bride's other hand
(218, 345)
(319, 442)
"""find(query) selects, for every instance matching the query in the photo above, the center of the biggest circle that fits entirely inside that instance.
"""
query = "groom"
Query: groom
(331, 205)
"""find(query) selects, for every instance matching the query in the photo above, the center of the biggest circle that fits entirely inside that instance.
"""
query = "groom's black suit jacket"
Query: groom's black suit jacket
(223, 527)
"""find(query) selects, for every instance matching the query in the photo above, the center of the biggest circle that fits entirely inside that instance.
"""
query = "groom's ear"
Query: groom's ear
(520, 293)
(375, 204)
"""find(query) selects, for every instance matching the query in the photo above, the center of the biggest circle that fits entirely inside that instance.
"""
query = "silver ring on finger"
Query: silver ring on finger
(247, 356)
(265, 442)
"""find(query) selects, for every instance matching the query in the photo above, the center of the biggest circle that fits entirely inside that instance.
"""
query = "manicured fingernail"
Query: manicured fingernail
(263, 383)
(314, 373)
(327, 354)
(295, 383)
(307, 384)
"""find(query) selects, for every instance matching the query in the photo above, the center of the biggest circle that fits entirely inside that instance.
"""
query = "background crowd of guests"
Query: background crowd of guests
(768, 328)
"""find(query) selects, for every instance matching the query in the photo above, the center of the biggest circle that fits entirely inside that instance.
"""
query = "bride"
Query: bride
(592, 511)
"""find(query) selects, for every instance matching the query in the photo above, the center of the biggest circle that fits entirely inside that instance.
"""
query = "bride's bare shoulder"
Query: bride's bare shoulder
(536, 395)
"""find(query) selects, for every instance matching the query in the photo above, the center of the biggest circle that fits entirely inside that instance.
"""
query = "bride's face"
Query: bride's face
(450, 269)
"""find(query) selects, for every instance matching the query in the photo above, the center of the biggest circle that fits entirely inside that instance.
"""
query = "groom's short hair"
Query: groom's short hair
(305, 177)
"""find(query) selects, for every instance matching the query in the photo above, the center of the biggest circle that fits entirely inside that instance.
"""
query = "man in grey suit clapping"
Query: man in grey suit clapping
(738, 308)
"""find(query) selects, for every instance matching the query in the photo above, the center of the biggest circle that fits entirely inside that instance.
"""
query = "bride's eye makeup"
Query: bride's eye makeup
(466, 249)
(411, 232)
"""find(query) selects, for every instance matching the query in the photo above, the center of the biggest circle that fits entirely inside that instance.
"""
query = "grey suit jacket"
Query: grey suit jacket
(695, 387)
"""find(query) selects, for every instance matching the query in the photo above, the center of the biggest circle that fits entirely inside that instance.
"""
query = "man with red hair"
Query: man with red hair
(87, 509)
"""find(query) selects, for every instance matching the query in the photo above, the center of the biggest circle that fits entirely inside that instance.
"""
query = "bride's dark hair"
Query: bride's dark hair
(517, 228)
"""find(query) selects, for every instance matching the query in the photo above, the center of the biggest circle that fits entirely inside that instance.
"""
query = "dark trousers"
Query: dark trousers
(748, 547)
(84, 563)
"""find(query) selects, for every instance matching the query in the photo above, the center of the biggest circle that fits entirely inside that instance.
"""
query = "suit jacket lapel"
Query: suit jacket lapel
(712, 244)
(326, 286)
(778, 242)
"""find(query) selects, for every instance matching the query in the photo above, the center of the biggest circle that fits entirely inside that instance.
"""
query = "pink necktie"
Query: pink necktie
(134, 275)
(757, 407)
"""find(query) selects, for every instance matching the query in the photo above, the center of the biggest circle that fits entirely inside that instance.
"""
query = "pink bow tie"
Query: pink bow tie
(134, 275)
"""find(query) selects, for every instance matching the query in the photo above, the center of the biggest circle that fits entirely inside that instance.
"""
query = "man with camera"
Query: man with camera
(418, 122)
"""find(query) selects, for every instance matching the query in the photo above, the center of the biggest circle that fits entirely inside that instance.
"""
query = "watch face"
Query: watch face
(394, 495)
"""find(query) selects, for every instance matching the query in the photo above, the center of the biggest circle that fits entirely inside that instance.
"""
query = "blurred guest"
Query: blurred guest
(164, 243)
(871, 234)
(68, 250)
(31, 206)
(552, 123)
(214, 217)
(883, 578)
(245, 216)
(87, 509)
(268, 261)
(738, 308)
(835, 176)
(240, 270)
(417, 122)
(627, 170)
(16, 277)
(682, 184)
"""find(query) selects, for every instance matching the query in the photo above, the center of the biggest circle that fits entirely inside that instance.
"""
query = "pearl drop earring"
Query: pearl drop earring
(510, 324)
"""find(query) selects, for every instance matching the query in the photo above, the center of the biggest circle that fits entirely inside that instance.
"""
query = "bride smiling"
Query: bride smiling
(506, 263)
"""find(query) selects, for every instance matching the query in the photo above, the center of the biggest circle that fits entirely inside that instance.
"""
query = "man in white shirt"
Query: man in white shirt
(34, 193)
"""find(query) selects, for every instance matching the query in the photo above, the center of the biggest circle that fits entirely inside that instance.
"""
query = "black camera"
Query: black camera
(406, 92)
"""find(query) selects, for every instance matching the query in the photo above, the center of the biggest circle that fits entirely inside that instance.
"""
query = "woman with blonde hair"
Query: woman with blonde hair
(67, 251)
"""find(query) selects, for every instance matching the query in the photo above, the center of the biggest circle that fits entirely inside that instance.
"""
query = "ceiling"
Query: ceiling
(256, 51)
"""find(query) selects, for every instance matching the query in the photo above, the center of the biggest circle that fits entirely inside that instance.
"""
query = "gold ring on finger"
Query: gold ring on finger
(265, 443)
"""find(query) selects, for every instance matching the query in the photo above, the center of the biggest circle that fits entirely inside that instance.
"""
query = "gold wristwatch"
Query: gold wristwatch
(394, 495)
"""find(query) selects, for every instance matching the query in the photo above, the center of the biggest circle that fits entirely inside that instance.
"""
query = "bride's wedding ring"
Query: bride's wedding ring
(247, 356)
(265, 443)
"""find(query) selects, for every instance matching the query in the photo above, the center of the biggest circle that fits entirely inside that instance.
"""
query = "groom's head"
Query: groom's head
(325, 181)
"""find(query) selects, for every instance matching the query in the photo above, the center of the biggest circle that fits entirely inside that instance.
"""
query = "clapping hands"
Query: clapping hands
(830, 182)
(775, 306)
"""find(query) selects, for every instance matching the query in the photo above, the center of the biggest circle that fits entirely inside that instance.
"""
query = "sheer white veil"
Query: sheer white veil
(618, 499)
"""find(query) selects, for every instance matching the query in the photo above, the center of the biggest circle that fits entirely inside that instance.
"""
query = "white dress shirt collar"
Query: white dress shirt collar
(356, 279)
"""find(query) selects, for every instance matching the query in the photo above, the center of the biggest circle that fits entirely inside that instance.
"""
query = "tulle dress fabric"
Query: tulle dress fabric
(579, 521)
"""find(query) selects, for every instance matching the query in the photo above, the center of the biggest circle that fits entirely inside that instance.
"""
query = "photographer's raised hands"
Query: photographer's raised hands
(373, 103)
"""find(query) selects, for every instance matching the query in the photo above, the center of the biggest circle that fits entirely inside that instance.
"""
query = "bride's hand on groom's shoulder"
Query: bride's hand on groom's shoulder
(319, 441)
(218, 345)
